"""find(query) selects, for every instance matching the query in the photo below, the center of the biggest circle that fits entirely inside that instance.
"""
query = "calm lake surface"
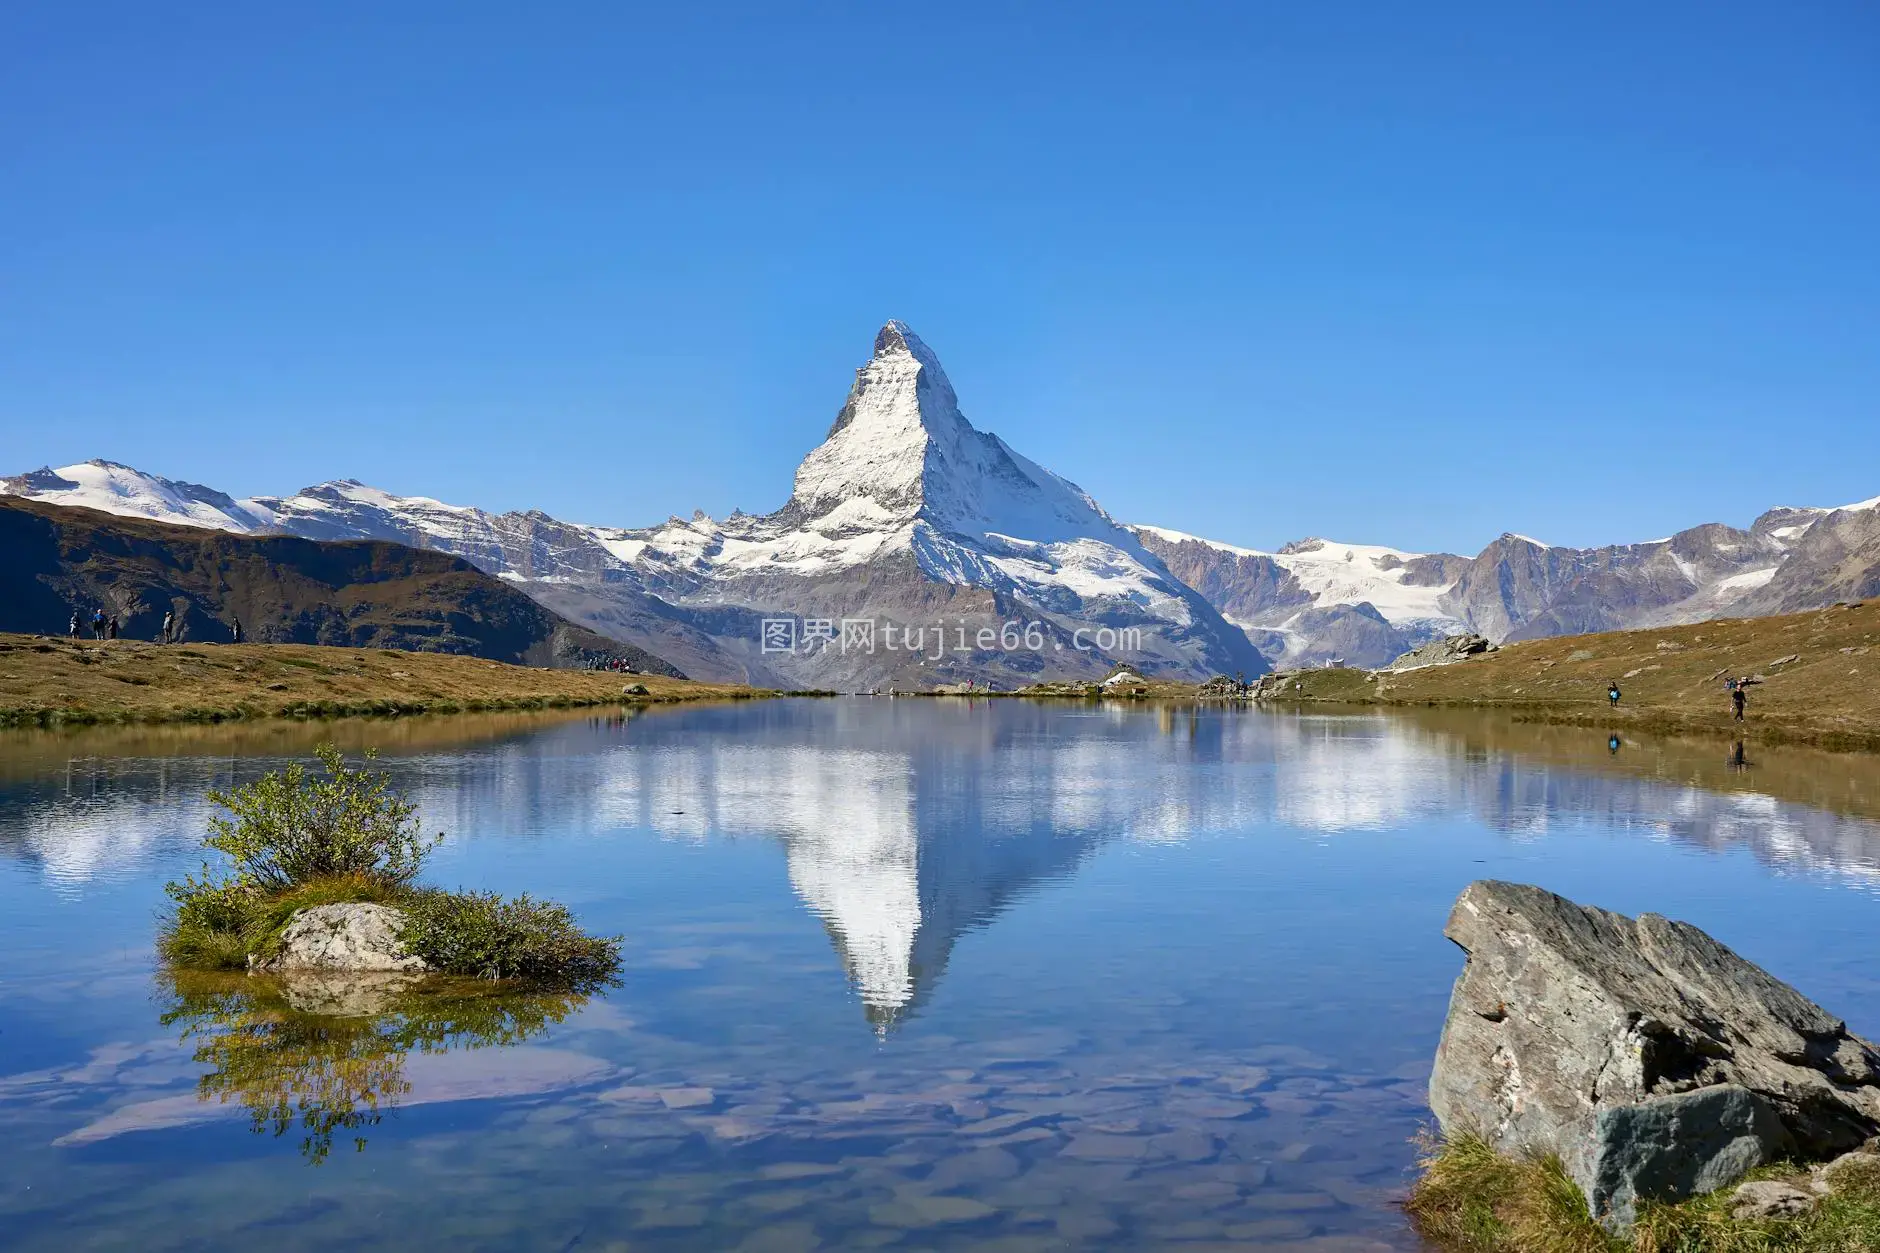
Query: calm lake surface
(906, 974)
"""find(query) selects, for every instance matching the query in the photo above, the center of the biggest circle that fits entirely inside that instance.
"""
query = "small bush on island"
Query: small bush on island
(293, 840)
(1471, 1199)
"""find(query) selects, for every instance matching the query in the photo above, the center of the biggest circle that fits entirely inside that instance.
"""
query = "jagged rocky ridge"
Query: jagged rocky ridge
(908, 516)
(1315, 602)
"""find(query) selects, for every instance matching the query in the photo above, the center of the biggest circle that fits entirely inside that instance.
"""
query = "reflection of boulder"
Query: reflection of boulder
(353, 994)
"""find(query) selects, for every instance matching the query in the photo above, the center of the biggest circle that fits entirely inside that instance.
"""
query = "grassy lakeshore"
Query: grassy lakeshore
(58, 682)
(1820, 676)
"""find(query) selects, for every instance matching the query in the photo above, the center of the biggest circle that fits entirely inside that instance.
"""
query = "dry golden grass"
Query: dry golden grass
(46, 681)
(1671, 679)
(1468, 1199)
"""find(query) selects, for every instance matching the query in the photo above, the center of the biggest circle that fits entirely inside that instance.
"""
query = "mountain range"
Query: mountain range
(967, 560)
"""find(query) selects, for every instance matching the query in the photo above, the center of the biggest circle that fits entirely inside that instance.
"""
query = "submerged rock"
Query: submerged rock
(1653, 1061)
(358, 936)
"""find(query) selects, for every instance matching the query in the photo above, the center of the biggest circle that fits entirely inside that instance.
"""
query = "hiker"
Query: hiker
(72, 630)
(235, 631)
(1739, 696)
(97, 624)
(1612, 692)
(169, 624)
(110, 627)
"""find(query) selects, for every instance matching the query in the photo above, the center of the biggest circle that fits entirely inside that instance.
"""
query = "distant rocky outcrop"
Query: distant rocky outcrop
(1443, 652)
(283, 589)
(1653, 1061)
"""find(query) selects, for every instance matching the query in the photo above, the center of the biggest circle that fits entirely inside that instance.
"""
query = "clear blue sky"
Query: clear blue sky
(1413, 274)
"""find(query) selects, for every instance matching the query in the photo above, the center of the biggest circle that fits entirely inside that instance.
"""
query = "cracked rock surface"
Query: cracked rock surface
(1651, 1059)
(356, 937)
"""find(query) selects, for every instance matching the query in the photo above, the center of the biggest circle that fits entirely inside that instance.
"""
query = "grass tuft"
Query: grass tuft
(1470, 1199)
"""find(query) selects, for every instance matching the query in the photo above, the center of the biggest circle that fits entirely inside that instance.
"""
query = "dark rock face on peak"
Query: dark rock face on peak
(1652, 1060)
(44, 479)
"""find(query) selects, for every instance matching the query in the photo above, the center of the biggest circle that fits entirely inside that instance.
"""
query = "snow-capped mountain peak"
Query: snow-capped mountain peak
(114, 488)
(901, 451)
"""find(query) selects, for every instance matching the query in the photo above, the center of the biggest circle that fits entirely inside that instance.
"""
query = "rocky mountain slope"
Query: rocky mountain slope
(283, 589)
(1316, 601)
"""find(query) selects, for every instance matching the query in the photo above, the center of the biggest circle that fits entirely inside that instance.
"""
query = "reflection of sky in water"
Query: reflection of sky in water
(1084, 928)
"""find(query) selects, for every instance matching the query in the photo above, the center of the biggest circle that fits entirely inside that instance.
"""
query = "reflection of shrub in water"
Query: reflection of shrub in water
(327, 1055)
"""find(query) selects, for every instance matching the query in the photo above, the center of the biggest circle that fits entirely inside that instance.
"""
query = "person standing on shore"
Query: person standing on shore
(1612, 692)
(1739, 696)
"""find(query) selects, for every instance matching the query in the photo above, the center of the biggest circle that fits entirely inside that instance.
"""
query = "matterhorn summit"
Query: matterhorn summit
(901, 451)
(908, 515)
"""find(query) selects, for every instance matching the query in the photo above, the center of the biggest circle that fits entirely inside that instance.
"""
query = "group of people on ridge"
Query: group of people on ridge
(105, 627)
(102, 627)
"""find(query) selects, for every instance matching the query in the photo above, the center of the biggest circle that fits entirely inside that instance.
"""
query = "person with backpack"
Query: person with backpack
(72, 630)
(1612, 692)
(169, 624)
(111, 627)
(97, 623)
(235, 632)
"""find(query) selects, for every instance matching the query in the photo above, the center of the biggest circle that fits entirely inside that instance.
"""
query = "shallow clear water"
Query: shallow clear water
(906, 974)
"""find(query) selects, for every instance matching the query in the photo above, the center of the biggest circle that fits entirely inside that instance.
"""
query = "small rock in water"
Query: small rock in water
(1769, 1198)
(686, 1098)
(929, 1211)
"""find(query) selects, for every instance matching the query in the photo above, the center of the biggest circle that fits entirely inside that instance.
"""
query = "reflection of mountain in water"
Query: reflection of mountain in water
(908, 823)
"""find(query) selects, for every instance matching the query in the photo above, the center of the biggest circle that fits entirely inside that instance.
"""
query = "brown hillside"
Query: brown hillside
(46, 681)
(1820, 675)
(356, 593)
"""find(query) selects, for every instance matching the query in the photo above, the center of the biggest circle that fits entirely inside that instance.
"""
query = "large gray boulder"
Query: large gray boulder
(352, 937)
(1653, 1061)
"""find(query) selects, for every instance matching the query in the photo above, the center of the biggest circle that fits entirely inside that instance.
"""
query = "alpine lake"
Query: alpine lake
(904, 974)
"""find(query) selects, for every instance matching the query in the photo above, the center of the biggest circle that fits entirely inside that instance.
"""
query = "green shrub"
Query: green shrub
(481, 934)
(290, 827)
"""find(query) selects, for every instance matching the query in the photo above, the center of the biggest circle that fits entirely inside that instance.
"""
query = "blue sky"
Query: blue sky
(1390, 273)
